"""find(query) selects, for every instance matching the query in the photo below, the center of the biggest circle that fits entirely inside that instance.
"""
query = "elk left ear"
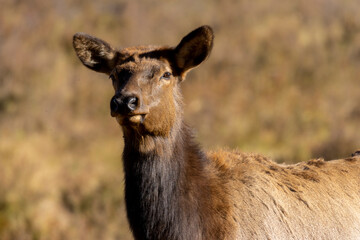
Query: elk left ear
(95, 53)
(193, 49)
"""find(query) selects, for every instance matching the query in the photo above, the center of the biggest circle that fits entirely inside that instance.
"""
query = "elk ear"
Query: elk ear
(95, 53)
(193, 49)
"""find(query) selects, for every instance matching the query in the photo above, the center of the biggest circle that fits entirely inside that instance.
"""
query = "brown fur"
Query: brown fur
(176, 191)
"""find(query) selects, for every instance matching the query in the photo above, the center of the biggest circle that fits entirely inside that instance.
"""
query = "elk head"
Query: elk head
(145, 78)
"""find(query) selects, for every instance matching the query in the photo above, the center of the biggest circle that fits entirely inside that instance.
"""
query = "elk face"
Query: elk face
(145, 79)
(144, 95)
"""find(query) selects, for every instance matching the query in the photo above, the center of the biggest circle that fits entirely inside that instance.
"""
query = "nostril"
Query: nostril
(132, 103)
(114, 105)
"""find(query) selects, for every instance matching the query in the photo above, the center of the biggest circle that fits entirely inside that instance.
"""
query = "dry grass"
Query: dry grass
(283, 80)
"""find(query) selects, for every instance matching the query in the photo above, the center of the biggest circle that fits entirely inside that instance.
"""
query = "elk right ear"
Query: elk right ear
(95, 53)
(193, 49)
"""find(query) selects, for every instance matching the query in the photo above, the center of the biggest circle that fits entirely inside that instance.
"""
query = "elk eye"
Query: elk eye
(166, 76)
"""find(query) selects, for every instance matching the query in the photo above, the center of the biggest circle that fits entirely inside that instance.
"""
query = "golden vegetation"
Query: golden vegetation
(282, 80)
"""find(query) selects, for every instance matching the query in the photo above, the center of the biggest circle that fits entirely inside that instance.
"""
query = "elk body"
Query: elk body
(174, 190)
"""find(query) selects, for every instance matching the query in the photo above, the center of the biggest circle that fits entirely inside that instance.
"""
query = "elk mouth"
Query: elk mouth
(136, 118)
(131, 119)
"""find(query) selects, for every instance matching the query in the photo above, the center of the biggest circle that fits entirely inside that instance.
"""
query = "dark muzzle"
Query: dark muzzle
(123, 105)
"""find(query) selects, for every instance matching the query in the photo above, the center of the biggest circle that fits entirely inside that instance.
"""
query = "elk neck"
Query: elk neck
(160, 175)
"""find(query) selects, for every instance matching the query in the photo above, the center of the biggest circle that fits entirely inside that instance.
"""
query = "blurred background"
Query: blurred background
(282, 80)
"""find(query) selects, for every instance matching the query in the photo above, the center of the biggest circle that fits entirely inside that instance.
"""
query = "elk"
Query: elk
(175, 190)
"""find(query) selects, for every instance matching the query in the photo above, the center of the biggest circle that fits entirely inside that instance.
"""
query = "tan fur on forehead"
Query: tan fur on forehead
(138, 65)
(146, 51)
(140, 49)
(143, 58)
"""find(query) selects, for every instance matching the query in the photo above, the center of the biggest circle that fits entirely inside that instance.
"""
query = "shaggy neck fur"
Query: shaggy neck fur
(157, 172)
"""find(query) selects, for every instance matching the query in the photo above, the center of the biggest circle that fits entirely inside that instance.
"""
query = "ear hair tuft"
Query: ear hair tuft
(95, 53)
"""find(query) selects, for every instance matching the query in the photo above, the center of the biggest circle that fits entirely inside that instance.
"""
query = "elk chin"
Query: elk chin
(136, 119)
(132, 120)
(146, 124)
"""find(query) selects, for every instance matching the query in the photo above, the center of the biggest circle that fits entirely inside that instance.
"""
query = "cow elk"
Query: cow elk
(174, 190)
